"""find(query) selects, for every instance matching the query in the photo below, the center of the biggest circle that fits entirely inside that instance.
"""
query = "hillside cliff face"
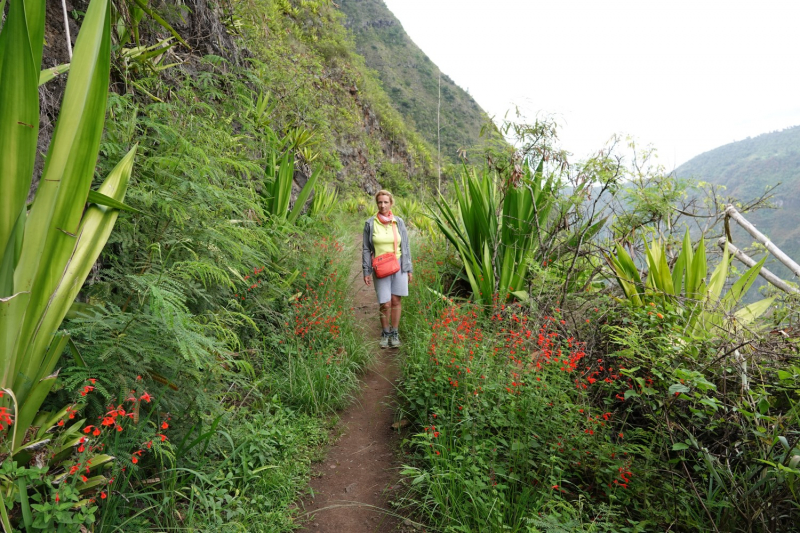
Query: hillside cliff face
(412, 80)
(297, 53)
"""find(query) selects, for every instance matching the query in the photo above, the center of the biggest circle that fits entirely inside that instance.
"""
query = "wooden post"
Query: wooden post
(66, 28)
(439, 135)
(760, 237)
(750, 262)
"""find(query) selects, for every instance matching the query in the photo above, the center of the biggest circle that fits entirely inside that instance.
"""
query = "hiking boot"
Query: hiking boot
(385, 338)
(394, 339)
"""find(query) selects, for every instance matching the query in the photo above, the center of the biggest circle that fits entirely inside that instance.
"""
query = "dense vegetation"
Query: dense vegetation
(570, 363)
(645, 397)
(213, 338)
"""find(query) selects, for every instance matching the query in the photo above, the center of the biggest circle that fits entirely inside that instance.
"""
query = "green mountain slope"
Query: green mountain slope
(299, 55)
(747, 169)
(411, 79)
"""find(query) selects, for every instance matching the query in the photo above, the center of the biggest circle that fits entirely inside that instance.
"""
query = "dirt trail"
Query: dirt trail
(359, 474)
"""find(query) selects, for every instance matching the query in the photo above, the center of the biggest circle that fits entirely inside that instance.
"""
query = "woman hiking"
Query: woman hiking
(386, 262)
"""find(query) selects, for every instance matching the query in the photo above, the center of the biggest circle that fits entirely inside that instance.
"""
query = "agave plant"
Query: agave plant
(413, 214)
(280, 173)
(324, 202)
(355, 205)
(702, 301)
(493, 233)
(47, 248)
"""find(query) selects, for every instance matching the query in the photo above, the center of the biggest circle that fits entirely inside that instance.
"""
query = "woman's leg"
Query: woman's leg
(396, 309)
(386, 313)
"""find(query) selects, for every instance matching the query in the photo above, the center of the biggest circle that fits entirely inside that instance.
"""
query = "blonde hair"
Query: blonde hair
(384, 192)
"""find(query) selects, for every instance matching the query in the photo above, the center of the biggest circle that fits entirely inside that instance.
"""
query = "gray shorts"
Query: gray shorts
(396, 284)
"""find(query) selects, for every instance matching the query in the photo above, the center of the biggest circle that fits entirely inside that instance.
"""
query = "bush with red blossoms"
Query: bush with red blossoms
(70, 474)
(508, 413)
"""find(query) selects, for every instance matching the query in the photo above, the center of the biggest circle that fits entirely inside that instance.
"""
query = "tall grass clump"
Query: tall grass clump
(313, 355)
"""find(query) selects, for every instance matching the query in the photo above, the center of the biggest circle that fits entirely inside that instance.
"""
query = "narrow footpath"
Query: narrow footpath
(354, 484)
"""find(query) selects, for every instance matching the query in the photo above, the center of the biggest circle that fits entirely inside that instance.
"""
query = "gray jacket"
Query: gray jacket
(368, 249)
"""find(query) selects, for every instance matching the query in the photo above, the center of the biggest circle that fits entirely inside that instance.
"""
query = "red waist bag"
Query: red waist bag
(387, 264)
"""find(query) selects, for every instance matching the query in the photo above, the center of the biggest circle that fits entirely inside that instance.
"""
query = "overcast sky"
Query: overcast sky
(686, 76)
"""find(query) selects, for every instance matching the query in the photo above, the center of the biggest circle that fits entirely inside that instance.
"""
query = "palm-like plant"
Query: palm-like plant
(280, 174)
(325, 200)
(413, 214)
(494, 233)
(702, 301)
(48, 248)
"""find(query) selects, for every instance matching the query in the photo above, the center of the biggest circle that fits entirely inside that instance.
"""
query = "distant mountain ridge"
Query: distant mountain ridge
(411, 79)
(747, 168)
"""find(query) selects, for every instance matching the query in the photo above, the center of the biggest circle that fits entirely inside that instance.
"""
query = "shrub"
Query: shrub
(506, 418)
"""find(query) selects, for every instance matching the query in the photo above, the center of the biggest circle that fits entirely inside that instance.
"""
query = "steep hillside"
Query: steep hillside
(296, 53)
(747, 169)
(411, 79)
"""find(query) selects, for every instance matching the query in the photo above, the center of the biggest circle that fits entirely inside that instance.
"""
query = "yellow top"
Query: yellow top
(383, 238)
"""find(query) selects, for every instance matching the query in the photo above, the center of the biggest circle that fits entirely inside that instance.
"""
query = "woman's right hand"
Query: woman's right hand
(367, 280)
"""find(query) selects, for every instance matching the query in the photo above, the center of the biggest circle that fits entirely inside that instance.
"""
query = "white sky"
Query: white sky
(686, 76)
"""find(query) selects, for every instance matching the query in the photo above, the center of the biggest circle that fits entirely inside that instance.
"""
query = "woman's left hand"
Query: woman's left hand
(410, 277)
